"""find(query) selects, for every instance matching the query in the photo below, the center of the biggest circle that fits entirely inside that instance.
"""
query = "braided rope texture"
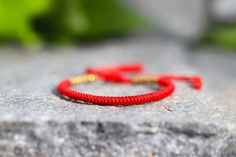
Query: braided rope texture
(166, 90)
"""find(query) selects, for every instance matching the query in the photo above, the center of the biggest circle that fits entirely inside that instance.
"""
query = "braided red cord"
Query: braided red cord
(115, 74)
(168, 88)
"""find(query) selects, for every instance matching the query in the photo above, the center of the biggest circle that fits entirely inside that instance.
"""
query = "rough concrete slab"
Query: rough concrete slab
(36, 122)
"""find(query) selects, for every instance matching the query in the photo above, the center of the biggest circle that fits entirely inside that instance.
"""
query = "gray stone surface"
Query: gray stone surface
(224, 11)
(184, 19)
(35, 122)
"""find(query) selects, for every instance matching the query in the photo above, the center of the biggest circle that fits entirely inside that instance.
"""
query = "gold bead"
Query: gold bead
(83, 79)
(92, 77)
(144, 79)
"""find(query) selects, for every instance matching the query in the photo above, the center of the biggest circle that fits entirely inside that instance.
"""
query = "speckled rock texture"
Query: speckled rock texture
(36, 122)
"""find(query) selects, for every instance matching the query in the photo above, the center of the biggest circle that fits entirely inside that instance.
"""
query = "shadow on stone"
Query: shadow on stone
(55, 92)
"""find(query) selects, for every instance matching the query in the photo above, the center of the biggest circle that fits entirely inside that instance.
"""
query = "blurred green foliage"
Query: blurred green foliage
(222, 36)
(15, 19)
(62, 21)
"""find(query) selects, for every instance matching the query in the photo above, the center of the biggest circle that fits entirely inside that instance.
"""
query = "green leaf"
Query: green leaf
(224, 36)
(63, 21)
(109, 18)
(15, 19)
(70, 20)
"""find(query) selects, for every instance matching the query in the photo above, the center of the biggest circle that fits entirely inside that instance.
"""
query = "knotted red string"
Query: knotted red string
(117, 74)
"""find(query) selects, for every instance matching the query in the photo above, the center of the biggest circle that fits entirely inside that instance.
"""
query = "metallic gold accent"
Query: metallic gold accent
(83, 79)
(145, 79)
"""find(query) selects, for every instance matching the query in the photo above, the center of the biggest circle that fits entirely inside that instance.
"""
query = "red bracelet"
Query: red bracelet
(64, 89)
(114, 74)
